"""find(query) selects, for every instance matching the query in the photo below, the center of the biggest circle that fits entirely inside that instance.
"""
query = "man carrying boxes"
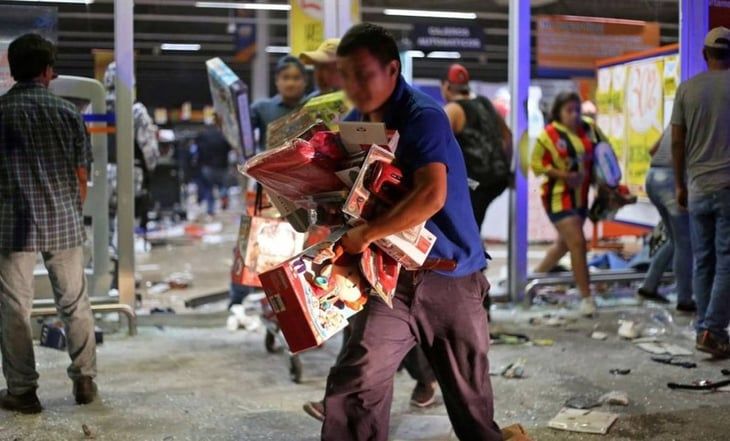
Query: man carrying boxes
(437, 307)
(396, 176)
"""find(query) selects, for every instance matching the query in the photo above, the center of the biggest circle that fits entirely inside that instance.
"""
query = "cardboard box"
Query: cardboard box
(53, 336)
(295, 125)
(329, 108)
(360, 204)
(310, 309)
(263, 243)
(410, 248)
(358, 137)
(230, 100)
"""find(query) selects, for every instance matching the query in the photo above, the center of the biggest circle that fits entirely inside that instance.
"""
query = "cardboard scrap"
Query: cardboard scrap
(584, 421)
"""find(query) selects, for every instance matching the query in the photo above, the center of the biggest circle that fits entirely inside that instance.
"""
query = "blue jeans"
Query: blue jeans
(677, 251)
(211, 177)
(711, 246)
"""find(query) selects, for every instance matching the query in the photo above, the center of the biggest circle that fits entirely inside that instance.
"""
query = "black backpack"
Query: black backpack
(482, 145)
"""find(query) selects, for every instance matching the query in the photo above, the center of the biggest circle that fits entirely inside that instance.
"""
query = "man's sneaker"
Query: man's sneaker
(27, 403)
(689, 308)
(424, 395)
(652, 296)
(588, 307)
(84, 390)
(315, 409)
(707, 342)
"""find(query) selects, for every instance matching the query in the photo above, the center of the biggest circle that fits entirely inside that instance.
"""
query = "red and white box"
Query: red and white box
(314, 300)
(411, 247)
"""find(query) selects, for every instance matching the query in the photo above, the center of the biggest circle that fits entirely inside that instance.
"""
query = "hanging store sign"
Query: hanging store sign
(568, 44)
(429, 38)
(306, 25)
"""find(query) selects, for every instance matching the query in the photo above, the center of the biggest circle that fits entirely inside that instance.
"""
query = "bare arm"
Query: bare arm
(83, 177)
(457, 118)
(679, 134)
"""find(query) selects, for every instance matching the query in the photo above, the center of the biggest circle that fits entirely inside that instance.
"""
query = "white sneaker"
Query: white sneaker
(588, 307)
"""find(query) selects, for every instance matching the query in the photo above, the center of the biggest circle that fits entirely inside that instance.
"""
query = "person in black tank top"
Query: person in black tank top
(483, 136)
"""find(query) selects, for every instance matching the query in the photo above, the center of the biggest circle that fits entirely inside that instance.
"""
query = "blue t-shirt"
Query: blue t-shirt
(426, 138)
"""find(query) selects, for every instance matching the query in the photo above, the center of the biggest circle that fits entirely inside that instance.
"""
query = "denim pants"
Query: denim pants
(210, 178)
(66, 271)
(677, 251)
(711, 246)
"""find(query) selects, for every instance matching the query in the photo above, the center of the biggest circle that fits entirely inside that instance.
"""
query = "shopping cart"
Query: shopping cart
(275, 343)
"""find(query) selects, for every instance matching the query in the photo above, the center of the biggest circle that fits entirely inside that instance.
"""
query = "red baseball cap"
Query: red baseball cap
(457, 74)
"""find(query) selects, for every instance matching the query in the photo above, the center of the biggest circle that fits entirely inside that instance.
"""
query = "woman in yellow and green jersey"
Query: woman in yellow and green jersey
(563, 155)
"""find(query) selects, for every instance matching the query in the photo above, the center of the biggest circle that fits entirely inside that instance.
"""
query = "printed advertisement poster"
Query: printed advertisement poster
(576, 43)
(671, 76)
(16, 21)
(645, 118)
(603, 92)
(306, 24)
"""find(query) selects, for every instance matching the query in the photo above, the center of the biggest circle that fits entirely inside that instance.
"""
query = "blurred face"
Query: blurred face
(290, 83)
(327, 77)
(367, 82)
(570, 114)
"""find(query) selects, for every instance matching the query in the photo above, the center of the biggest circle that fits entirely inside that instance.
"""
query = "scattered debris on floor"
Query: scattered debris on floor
(673, 361)
(514, 370)
(706, 385)
(583, 402)
(180, 280)
(551, 320)
(628, 329)
(159, 288)
(584, 421)
(89, 433)
(615, 398)
(515, 432)
(598, 335)
(506, 338)
(619, 371)
(661, 348)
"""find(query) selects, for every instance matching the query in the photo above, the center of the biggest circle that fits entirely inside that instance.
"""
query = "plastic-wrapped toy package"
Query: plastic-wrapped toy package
(299, 169)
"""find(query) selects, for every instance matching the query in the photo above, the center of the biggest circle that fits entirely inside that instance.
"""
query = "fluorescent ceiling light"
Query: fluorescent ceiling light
(179, 47)
(445, 55)
(80, 2)
(278, 49)
(415, 54)
(259, 6)
(433, 14)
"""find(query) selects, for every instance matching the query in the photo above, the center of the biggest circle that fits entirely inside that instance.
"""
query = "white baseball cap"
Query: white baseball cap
(718, 38)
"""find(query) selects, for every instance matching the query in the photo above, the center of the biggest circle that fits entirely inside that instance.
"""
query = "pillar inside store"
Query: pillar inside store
(693, 26)
(339, 16)
(124, 58)
(519, 84)
(260, 68)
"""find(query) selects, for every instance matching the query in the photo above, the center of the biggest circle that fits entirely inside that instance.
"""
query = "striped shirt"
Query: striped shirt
(43, 141)
(557, 148)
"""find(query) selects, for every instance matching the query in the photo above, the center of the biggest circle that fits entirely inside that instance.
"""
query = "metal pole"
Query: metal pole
(124, 57)
(693, 24)
(519, 83)
(260, 75)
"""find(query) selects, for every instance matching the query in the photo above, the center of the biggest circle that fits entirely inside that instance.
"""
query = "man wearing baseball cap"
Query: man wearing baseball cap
(326, 77)
(483, 136)
(701, 156)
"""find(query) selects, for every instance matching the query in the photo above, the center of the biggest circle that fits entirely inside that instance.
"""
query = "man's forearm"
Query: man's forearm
(419, 206)
(678, 161)
(83, 176)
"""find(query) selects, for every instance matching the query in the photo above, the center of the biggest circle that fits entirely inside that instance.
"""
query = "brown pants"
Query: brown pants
(445, 317)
